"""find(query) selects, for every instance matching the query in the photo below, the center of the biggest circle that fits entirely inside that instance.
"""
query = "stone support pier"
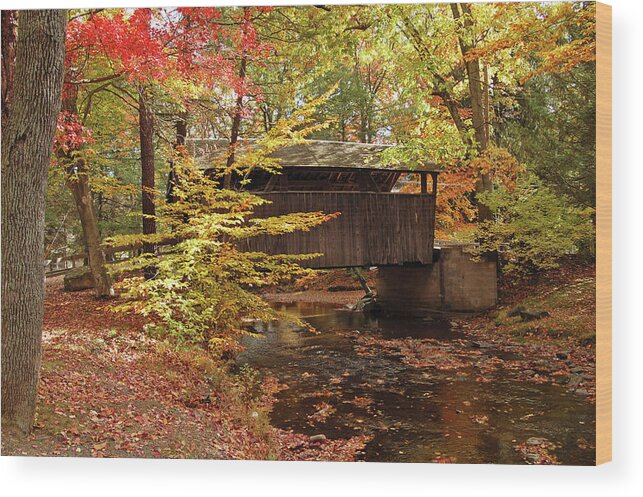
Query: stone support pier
(454, 282)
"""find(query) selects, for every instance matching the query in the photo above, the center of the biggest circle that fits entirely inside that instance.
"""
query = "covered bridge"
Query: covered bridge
(378, 225)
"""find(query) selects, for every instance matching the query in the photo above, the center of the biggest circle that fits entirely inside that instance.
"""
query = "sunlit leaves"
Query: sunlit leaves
(534, 228)
(204, 291)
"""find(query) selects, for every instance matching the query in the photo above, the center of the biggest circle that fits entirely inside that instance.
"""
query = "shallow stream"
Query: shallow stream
(341, 384)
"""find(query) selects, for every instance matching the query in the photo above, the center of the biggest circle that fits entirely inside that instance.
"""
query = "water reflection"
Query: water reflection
(415, 414)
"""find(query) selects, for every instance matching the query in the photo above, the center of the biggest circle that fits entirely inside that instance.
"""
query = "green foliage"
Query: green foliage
(553, 131)
(533, 227)
(204, 291)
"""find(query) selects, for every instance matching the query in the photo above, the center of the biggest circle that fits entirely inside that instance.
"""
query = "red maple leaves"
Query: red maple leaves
(165, 47)
(70, 132)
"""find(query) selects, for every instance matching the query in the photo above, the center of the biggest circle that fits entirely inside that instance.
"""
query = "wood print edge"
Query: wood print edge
(603, 233)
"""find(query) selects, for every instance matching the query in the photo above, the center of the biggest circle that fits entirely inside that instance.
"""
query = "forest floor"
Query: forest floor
(109, 390)
(562, 341)
(567, 298)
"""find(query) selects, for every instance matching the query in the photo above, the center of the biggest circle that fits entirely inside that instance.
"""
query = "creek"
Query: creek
(341, 383)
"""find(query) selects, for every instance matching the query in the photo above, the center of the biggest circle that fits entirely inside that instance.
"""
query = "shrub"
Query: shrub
(533, 228)
(204, 288)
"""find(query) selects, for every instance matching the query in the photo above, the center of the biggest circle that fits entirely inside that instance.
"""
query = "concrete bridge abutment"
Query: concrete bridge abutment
(455, 282)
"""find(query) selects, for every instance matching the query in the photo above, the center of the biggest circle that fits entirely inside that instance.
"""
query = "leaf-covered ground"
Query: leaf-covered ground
(567, 331)
(567, 294)
(109, 390)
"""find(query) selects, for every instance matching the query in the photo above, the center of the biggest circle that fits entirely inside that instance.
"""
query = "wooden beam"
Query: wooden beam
(283, 182)
(434, 178)
(271, 183)
(374, 184)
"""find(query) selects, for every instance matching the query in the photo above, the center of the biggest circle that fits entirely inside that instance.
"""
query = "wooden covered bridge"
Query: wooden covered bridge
(378, 225)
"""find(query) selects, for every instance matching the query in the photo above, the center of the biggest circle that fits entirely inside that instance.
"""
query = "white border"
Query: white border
(49, 477)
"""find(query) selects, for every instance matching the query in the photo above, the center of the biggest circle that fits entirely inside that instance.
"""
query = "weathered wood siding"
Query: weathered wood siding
(373, 229)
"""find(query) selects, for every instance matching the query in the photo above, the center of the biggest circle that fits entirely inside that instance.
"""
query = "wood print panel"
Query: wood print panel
(603, 233)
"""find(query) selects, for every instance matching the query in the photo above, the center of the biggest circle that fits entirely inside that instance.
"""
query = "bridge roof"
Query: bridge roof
(320, 155)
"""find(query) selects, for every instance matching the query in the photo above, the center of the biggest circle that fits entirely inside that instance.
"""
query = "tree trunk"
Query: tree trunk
(357, 272)
(8, 57)
(146, 135)
(77, 181)
(181, 127)
(363, 127)
(236, 124)
(27, 140)
(477, 108)
(486, 104)
(238, 110)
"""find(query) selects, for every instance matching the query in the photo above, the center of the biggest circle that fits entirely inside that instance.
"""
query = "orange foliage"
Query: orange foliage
(540, 36)
(455, 207)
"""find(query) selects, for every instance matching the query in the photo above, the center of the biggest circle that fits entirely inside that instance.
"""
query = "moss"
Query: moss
(571, 307)
(53, 422)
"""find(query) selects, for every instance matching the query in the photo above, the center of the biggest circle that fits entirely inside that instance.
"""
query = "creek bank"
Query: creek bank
(109, 389)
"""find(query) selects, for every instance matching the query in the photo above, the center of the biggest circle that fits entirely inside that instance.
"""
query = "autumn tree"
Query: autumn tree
(95, 44)
(28, 125)
(534, 227)
(168, 56)
(73, 137)
(204, 289)
(489, 50)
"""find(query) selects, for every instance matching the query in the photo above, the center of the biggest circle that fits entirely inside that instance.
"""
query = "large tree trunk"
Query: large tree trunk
(78, 183)
(472, 67)
(27, 140)
(9, 25)
(146, 136)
